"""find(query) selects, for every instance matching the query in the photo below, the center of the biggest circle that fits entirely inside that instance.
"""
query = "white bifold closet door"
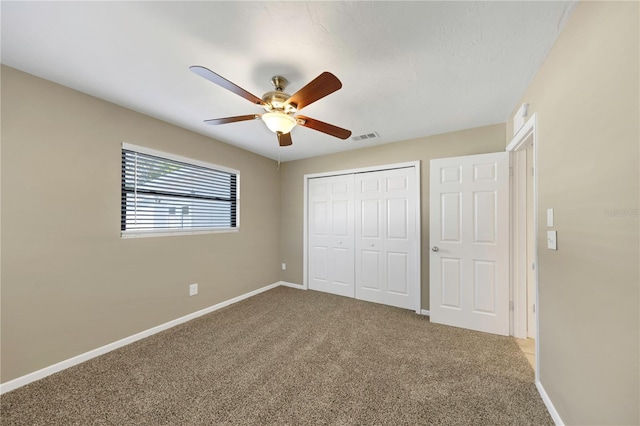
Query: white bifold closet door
(331, 235)
(362, 236)
(386, 240)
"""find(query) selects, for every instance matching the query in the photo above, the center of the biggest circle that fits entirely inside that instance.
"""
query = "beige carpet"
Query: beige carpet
(293, 357)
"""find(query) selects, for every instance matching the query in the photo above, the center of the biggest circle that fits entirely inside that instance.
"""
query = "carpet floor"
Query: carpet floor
(291, 357)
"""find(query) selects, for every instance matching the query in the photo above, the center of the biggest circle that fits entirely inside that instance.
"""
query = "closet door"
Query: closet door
(386, 241)
(331, 235)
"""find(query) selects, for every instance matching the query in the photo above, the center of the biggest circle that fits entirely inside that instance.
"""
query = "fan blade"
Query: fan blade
(223, 82)
(320, 126)
(284, 139)
(323, 85)
(232, 119)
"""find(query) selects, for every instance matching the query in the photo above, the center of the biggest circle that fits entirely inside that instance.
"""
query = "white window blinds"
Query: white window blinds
(165, 195)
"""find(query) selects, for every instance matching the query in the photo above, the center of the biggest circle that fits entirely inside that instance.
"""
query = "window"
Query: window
(163, 194)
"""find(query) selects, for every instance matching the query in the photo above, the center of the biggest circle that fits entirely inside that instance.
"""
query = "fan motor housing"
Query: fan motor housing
(275, 101)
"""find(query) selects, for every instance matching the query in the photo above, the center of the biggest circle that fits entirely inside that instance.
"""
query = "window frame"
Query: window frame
(138, 233)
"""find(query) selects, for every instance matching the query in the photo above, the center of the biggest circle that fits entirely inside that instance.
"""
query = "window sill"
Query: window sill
(153, 233)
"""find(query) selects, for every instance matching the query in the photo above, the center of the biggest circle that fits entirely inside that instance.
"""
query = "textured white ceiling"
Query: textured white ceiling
(408, 69)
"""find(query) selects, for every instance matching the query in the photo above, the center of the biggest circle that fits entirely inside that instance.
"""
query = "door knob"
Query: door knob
(372, 244)
(435, 249)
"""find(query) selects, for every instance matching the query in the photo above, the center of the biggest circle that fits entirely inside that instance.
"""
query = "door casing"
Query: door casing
(519, 265)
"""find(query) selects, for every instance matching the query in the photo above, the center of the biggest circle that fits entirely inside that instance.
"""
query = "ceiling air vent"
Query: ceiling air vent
(365, 136)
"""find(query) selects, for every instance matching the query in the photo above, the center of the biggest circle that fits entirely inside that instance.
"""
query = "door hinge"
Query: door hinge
(534, 308)
(533, 266)
(511, 305)
(510, 171)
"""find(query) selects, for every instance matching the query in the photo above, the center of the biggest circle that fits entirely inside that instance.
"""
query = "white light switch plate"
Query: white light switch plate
(549, 217)
(552, 240)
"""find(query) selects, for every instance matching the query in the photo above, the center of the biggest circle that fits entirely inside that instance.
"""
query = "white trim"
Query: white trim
(550, 407)
(379, 168)
(305, 227)
(146, 233)
(62, 365)
(519, 138)
(292, 285)
(518, 257)
(415, 165)
(418, 242)
(520, 141)
(425, 312)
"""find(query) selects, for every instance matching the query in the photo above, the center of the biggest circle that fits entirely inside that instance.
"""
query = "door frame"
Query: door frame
(305, 238)
(517, 147)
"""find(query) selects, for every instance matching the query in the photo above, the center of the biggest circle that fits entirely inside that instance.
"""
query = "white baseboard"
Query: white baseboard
(62, 365)
(550, 407)
(425, 312)
(292, 285)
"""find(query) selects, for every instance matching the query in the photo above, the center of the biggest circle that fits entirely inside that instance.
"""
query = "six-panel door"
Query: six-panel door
(469, 236)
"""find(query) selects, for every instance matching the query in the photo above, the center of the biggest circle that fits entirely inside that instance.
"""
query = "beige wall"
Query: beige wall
(69, 282)
(586, 99)
(465, 142)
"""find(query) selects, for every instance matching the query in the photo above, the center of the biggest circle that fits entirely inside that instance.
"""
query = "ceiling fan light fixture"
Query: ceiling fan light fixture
(279, 122)
(279, 106)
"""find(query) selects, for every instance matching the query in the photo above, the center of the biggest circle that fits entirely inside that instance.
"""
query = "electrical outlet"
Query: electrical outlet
(193, 289)
(284, 266)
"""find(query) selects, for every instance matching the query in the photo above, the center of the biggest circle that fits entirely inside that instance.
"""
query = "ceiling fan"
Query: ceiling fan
(279, 106)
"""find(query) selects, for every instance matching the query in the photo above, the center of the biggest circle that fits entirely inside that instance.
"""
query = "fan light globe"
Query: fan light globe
(279, 122)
